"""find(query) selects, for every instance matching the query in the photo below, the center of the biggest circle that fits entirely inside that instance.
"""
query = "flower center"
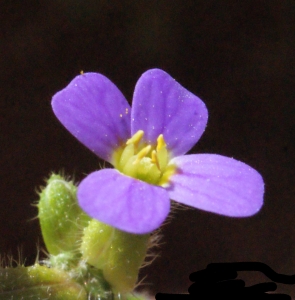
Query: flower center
(145, 162)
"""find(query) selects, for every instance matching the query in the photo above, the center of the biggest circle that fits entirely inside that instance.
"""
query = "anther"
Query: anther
(160, 142)
(142, 153)
(135, 139)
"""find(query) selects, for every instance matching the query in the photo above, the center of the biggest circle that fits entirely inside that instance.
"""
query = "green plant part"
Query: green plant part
(101, 260)
(39, 282)
(61, 219)
(118, 254)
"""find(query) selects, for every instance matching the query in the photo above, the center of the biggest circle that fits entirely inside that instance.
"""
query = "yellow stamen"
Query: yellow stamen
(149, 163)
(126, 154)
(155, 159)
(136, 138)
(169, 171)
(142, 153)
(160, 142)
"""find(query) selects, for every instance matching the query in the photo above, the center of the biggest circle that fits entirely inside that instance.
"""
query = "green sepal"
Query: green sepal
(117, 253)
(96, 241)
(125, 257)
(61, 219)
(38, 282)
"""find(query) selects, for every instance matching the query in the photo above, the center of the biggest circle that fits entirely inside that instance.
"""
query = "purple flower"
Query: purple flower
(146, 145)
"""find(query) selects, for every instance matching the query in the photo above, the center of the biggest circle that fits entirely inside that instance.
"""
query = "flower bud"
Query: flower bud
(61, 219)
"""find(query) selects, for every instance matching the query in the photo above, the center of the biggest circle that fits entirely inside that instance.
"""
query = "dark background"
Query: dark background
(238, 56)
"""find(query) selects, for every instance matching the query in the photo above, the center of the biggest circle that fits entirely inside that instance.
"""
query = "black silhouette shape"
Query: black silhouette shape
(218, 281)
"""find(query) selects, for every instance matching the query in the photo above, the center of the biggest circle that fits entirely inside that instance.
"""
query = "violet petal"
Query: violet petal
(93, 109)
(162, 106)
(123, 202)
(217, 184)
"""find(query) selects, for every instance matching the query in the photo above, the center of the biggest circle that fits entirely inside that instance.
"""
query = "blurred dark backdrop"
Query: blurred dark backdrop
(238, 56)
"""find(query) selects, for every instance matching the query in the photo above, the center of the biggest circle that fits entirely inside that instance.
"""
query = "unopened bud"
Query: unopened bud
(62, 220)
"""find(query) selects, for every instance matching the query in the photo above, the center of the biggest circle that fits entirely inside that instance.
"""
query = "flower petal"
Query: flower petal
(217, 184)
(162, 106)
(93, 109)
(123, 202)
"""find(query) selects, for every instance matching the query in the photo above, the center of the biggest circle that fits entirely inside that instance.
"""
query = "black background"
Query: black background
(238, 56)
